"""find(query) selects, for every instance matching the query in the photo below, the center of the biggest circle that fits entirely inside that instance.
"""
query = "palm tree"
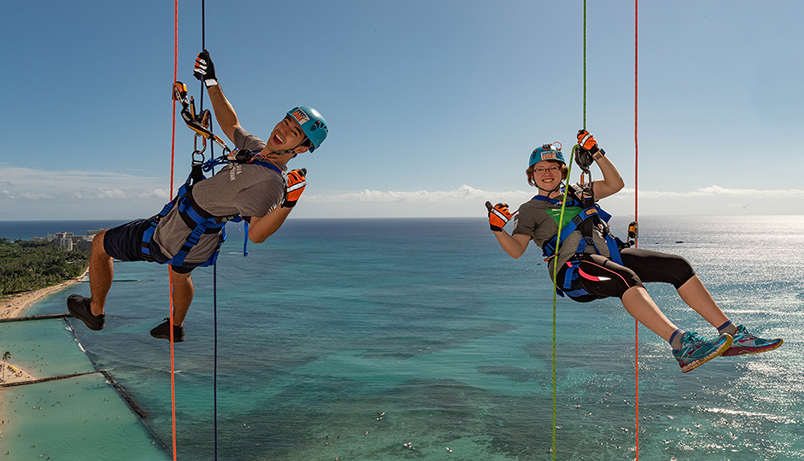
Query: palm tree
(6, 356)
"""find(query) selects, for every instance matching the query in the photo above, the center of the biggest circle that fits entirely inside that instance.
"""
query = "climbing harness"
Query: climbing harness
(587, 216)
(200, 221)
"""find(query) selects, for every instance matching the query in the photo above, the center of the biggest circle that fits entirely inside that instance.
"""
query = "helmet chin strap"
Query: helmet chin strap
(278, 153)
(548, 192)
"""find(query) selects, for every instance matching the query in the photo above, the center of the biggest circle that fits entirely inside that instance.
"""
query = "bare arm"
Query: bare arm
(260, 229)
(515, 245)
(224, 112)
(611, 183)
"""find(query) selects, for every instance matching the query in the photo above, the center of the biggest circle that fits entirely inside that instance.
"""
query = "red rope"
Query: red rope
(170, 193)
(636, 204)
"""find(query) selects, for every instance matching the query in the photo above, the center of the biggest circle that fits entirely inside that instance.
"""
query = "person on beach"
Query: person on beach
(260, 190)
(592, 264)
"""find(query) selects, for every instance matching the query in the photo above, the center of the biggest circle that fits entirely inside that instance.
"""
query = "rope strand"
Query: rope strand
(558, 239)
(170, 191)
(214, 266)
(636, 206)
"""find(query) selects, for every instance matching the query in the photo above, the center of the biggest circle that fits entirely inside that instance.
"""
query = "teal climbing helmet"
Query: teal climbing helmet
(547, 152)
(312, 123)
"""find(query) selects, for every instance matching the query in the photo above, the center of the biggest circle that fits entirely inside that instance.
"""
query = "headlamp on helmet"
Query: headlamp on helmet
(547, 152)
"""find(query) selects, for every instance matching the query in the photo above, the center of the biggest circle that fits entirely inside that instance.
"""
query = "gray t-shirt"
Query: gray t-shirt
(535, 219)
(238, 188)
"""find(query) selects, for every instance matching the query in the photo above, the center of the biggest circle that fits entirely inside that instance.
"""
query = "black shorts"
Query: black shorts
(124, 242)
(602, 278)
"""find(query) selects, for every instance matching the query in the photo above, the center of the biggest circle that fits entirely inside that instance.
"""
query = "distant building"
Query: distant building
(68, 240)
(66, 243)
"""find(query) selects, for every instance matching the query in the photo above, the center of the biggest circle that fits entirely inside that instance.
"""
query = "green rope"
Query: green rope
(555, 289)
(584, 64)
(558, 238)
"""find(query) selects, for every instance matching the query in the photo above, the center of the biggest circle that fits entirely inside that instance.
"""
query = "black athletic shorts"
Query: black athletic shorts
(602, 278)
(124, 242)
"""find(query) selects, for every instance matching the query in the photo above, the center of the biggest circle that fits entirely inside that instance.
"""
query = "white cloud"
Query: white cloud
(38, 194)
(717, 191)
(466, 192)
(27, 193)
(463, 193)
(468, 201)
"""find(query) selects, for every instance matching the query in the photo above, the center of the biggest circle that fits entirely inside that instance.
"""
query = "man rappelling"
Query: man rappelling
(255, 185)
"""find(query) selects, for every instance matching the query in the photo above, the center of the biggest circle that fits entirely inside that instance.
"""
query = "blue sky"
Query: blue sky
(433, 106)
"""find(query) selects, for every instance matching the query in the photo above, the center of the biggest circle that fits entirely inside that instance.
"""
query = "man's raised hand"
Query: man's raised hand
(204, 70)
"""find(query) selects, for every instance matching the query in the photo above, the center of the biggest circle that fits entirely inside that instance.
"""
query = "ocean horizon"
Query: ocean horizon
(403, 338)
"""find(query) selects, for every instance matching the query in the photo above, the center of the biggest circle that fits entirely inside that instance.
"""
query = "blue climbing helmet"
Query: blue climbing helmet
(547, 152)
(312, 123)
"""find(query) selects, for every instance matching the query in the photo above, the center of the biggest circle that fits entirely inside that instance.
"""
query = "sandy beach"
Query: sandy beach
(17, 306)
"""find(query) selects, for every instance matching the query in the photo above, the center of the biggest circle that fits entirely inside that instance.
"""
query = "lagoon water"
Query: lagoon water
(331, 323)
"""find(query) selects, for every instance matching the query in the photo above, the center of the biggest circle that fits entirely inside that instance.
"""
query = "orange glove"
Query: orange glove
(297, 181)
(587, 141)
(498, 216)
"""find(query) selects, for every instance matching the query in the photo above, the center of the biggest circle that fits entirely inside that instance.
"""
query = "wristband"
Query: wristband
(210, 82)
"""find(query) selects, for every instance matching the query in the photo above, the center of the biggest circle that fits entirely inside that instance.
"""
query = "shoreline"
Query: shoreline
(17, 306)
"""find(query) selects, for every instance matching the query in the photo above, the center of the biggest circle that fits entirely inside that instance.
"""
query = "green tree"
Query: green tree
(26, 265)
(6, 356)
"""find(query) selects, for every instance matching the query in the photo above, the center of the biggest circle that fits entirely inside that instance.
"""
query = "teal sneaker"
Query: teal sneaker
(746, 343)
(695, 350)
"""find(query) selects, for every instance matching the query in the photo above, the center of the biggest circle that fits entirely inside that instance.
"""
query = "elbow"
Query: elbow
(616, 184)
(256, 238)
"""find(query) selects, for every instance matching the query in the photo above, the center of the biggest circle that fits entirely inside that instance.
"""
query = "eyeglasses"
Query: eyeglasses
(552, 169)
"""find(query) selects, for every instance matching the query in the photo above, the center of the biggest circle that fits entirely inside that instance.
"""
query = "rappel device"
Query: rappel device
(199, 123)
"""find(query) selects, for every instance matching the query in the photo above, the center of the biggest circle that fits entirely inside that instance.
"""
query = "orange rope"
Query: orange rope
(636, 206)
(170, 193)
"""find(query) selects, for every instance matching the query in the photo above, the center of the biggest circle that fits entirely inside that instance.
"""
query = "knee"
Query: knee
(97, 244)
(681, 269)
(178, 277)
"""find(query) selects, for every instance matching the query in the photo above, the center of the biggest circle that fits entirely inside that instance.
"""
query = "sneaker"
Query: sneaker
(79, 308)
(162, 332)
(695, 350)
(746, 343)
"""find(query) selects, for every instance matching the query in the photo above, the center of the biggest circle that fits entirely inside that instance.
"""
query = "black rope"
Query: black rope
(215, 355)
(215, 266)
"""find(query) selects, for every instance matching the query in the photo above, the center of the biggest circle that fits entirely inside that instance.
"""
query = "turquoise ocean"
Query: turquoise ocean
(350, 339)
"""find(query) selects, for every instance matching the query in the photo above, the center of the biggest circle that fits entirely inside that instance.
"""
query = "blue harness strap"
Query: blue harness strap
(570, 276)
(196, 218)
(569, 285)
